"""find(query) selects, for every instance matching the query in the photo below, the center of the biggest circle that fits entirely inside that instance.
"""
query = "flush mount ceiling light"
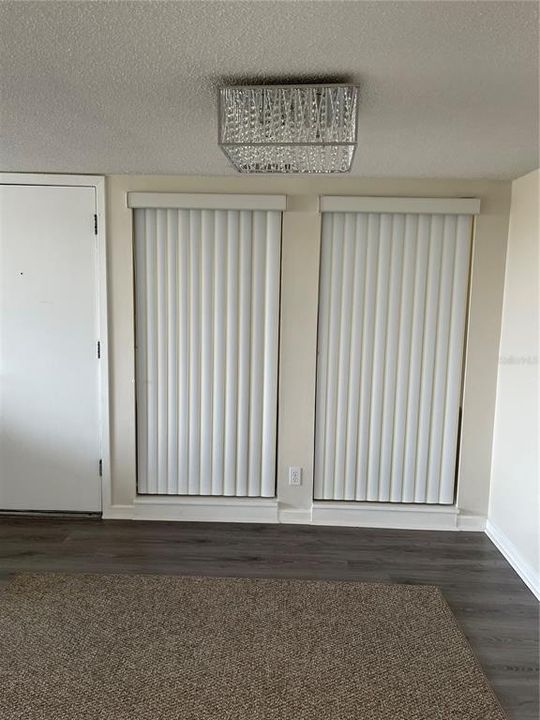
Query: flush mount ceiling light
(289, 128)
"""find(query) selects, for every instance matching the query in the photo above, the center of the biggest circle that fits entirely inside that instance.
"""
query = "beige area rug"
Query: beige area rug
(181, 648)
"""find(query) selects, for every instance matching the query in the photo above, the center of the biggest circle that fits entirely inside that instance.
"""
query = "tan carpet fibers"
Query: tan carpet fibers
(89, 647)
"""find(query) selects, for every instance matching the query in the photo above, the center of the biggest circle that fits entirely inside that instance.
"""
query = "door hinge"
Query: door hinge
(99, 350)
(100, 467)
(95, 224)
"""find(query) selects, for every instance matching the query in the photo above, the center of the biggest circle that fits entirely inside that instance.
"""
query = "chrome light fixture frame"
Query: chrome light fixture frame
(294, 129)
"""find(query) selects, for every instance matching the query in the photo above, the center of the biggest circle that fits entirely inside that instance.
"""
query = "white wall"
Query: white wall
(301, 241)
(514, 508)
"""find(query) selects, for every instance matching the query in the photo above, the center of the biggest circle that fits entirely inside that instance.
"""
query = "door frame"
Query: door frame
(97, 183)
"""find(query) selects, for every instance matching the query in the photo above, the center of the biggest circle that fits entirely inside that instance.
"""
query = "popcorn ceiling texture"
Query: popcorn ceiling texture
(447, 89)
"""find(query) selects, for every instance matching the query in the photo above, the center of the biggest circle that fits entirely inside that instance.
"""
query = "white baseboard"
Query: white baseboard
(385, 515)
(293, 516)
(206, 509)
(118, 512)
(267, 510)
(526, 572)
(471, 523)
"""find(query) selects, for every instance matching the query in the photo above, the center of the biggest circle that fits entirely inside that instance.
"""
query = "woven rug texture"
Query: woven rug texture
(146, 647)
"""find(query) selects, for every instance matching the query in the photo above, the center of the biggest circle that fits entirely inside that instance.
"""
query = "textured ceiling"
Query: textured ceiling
(447, 89)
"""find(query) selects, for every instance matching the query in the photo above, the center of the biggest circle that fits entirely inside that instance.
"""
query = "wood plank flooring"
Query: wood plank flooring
(495, 609)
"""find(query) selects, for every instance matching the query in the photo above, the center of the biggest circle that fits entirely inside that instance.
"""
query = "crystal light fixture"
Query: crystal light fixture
(289, 128)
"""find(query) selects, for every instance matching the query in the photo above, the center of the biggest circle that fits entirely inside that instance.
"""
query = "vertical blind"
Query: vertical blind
(393, 295)
(207, 307)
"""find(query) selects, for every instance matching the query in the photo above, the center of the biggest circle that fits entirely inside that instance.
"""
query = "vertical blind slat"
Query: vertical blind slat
(207, 348)
(415, 369)
(271, 339)
(355, 361)
(141, 349)
(231, 363)
(195, 248)
(182, 289)
(172, 350)
(441, 359)
(404, 357)
(368, 335)
(455, 354)
(152, 353)
(344, 347)
(244, 346)
(379, 352)
(332, 370)
(220, 329)
(391, 350)
(162, 369)
(428, 357)
(323, 347)
(257, 353)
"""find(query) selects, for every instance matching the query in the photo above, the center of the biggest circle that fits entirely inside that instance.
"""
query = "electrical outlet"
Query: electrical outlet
(295, 475)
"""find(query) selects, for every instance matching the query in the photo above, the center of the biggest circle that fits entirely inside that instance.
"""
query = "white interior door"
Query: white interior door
(393, 298)
(49, 413)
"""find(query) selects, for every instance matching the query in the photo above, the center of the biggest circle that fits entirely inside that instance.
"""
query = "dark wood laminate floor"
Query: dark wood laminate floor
(496, 610)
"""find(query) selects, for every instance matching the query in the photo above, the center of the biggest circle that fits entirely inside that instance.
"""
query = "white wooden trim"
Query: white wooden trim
(58, 180)
(385, 515)
(98, 183)
(293, 516)
(526, 572)
(471, 523)
(205, 509)
(106, 482)
(206, 201)
(445, 206)
(262, 510)
(118, 512)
